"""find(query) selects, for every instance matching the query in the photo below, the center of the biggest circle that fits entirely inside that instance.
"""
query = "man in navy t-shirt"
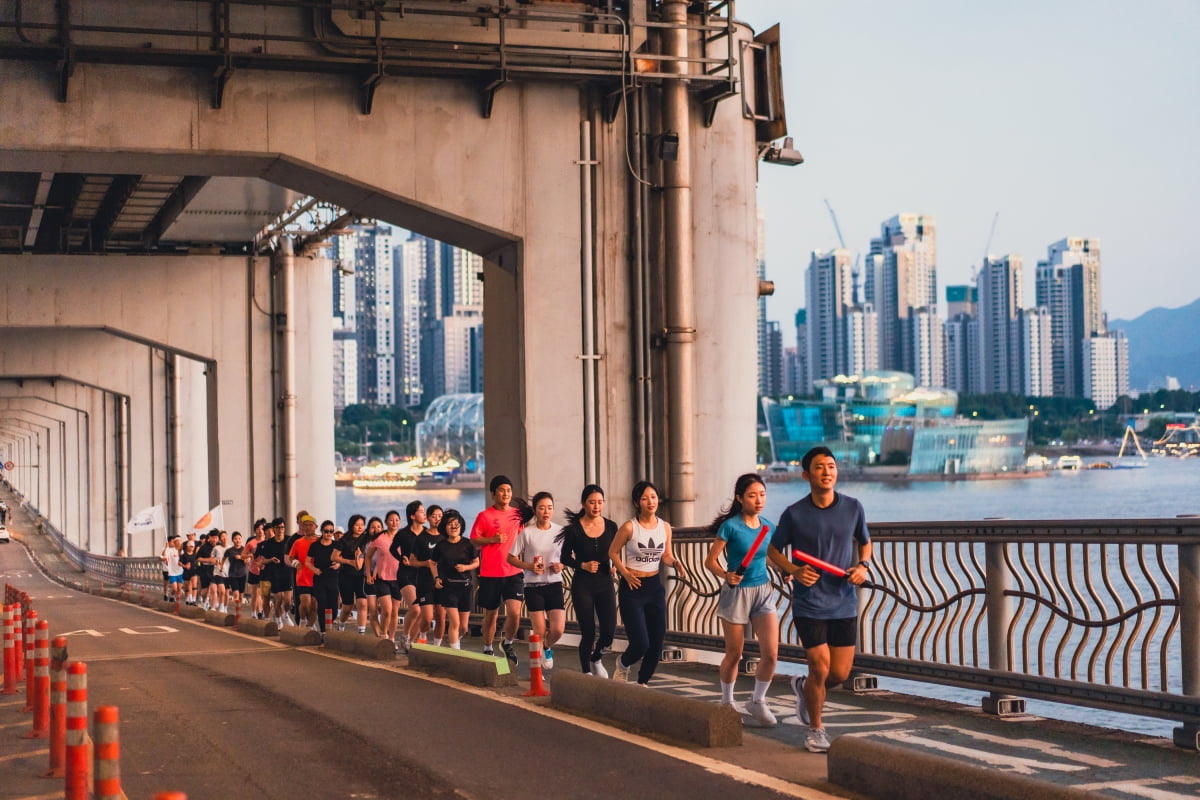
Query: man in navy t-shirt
(832, 527)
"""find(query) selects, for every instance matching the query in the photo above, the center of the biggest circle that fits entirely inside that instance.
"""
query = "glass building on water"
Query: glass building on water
(882, 416)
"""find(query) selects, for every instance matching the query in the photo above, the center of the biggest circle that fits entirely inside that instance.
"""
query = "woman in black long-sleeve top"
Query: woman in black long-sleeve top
(586, 540)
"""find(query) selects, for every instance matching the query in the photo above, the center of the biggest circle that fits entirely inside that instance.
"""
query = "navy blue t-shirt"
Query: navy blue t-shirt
(830, 534)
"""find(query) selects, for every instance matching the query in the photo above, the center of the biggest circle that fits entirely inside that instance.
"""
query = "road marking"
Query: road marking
(152, 629)
(51, 796)
(716, 766)
(1010, 763)
(83, 632)
(30, 754)
(1145, 787)
(172, 653)
(14, 725)
(1045, 748)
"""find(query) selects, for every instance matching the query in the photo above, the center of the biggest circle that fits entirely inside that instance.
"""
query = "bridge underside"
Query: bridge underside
(143, 296)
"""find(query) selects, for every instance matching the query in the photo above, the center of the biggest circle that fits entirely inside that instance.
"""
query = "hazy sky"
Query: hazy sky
(1069, 117)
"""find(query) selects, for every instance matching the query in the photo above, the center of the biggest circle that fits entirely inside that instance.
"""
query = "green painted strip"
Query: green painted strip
(501, 663)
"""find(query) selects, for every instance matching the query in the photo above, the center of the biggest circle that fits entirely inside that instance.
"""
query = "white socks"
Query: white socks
(760, 690)
(727, 693)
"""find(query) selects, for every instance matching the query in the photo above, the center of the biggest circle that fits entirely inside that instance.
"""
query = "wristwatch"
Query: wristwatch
(865, 565)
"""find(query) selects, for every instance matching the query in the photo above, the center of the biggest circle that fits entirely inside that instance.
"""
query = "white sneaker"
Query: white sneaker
(801, 704)
(548, 658)
(598, 668)
(620, 671)
(758, 711)
(817, 741)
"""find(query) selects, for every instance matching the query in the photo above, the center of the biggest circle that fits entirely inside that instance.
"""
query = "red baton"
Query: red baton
(741, 570)
(819, 564)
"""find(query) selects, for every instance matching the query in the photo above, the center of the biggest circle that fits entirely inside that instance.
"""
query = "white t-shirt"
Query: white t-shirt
(532, 542)
(174, 568)
(220, 565)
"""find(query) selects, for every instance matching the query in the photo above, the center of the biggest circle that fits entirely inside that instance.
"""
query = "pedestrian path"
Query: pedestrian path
(1052, 754)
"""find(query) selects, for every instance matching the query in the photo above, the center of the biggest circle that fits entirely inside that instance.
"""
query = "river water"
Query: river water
(1164, 488)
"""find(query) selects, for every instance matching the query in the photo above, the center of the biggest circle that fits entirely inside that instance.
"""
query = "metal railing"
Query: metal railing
(1102, 614)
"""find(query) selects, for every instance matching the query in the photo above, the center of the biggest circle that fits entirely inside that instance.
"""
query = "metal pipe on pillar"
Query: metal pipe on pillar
(287, 285)
(174, 387)
(591, 456)
(680, 273)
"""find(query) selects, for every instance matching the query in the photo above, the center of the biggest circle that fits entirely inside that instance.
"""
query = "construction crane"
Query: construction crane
(987, 248)
(854, 272)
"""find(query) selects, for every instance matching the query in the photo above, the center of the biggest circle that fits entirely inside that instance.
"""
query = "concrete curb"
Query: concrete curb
(874, 768)
(258, 627)
(219, 618)
(474, 669)
(363, 645)
(299, 636)
(680, 718)
(191, 612)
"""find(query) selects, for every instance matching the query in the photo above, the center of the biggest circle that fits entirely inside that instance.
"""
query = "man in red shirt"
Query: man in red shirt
(304, 575)
(494, 532)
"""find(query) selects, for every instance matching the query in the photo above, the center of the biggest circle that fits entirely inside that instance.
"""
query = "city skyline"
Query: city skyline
(1070, 119)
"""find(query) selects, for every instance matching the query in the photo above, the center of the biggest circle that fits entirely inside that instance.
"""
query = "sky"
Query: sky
(1068, 117)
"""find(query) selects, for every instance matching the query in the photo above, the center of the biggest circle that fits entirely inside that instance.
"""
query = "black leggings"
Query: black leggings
(594, 598)
(644, 612)
(326, 590)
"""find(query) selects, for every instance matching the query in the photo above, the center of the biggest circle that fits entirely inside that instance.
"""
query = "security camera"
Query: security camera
(785, 154)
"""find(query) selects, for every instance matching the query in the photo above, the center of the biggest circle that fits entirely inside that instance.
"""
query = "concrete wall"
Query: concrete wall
(507, 187)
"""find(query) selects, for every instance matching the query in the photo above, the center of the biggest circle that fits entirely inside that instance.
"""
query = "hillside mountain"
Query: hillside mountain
(1163, 341)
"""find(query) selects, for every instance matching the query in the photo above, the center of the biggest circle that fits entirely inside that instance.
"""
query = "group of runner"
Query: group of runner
(429, 566)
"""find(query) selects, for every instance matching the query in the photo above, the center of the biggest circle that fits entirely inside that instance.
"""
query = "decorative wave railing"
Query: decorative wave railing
(1097, 613)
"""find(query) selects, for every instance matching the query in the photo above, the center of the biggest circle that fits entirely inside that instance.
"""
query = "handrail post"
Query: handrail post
(1188, 734)
(998, 581)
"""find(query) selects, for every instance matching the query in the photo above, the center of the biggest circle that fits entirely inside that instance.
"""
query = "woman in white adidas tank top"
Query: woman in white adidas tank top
(638, 550)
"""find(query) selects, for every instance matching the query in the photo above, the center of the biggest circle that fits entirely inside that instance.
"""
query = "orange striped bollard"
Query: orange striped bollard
(108, 754)
(76, 773)
(41, 681)
(10, 656)
(58, 707)
(30, 627)
(536, 687)
(170, 796)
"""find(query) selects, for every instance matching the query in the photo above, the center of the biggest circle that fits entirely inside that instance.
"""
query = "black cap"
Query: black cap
(498, 481)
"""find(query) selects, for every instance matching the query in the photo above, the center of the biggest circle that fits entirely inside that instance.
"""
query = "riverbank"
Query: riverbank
(900, 474)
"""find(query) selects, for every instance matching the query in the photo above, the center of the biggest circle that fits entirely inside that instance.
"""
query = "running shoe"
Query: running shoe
(548, 658)
(488, 651)
(620, 671)
(801, 706)
(510, 651)
(758, 711)
(598, 669)
(816, 741)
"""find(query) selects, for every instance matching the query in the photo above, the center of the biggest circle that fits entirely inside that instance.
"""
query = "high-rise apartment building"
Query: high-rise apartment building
(803, 376)
(923, 332)
(961, 299)
(411, 258)
(1001, 288)
(1068, 284)
(364, 299)
(829, 288)
(1031, 343)
(960, 353)
(900, 276)
(774, 377)
(860, 340)
(765, 369)
(1105, 367)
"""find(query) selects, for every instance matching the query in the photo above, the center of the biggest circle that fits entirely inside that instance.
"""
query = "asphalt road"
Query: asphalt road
(217, 714)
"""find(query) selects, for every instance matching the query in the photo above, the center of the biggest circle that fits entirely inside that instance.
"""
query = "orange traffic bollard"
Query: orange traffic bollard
(108, 754)
(30, 626)
(58, 707)
(41, 681)
(10, 655)
(76, 778)
(170, 796)
(536, 687)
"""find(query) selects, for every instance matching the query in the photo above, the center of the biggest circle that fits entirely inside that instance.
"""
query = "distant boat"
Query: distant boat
(1130, 463)
(1070, 463)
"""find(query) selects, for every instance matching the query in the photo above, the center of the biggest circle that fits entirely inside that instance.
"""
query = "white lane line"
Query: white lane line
(1144, 787)
(30, 754)
(1014, 764)
(25, 724)
(1045, 748)
(51, 796)
(217, 652)
(712, 765)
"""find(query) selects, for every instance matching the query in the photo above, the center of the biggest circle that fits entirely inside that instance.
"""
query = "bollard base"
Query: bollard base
(1002, 705)
(1187, 736)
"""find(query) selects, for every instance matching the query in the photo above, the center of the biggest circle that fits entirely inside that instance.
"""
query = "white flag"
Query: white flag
(213, 518)
(147, 519)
